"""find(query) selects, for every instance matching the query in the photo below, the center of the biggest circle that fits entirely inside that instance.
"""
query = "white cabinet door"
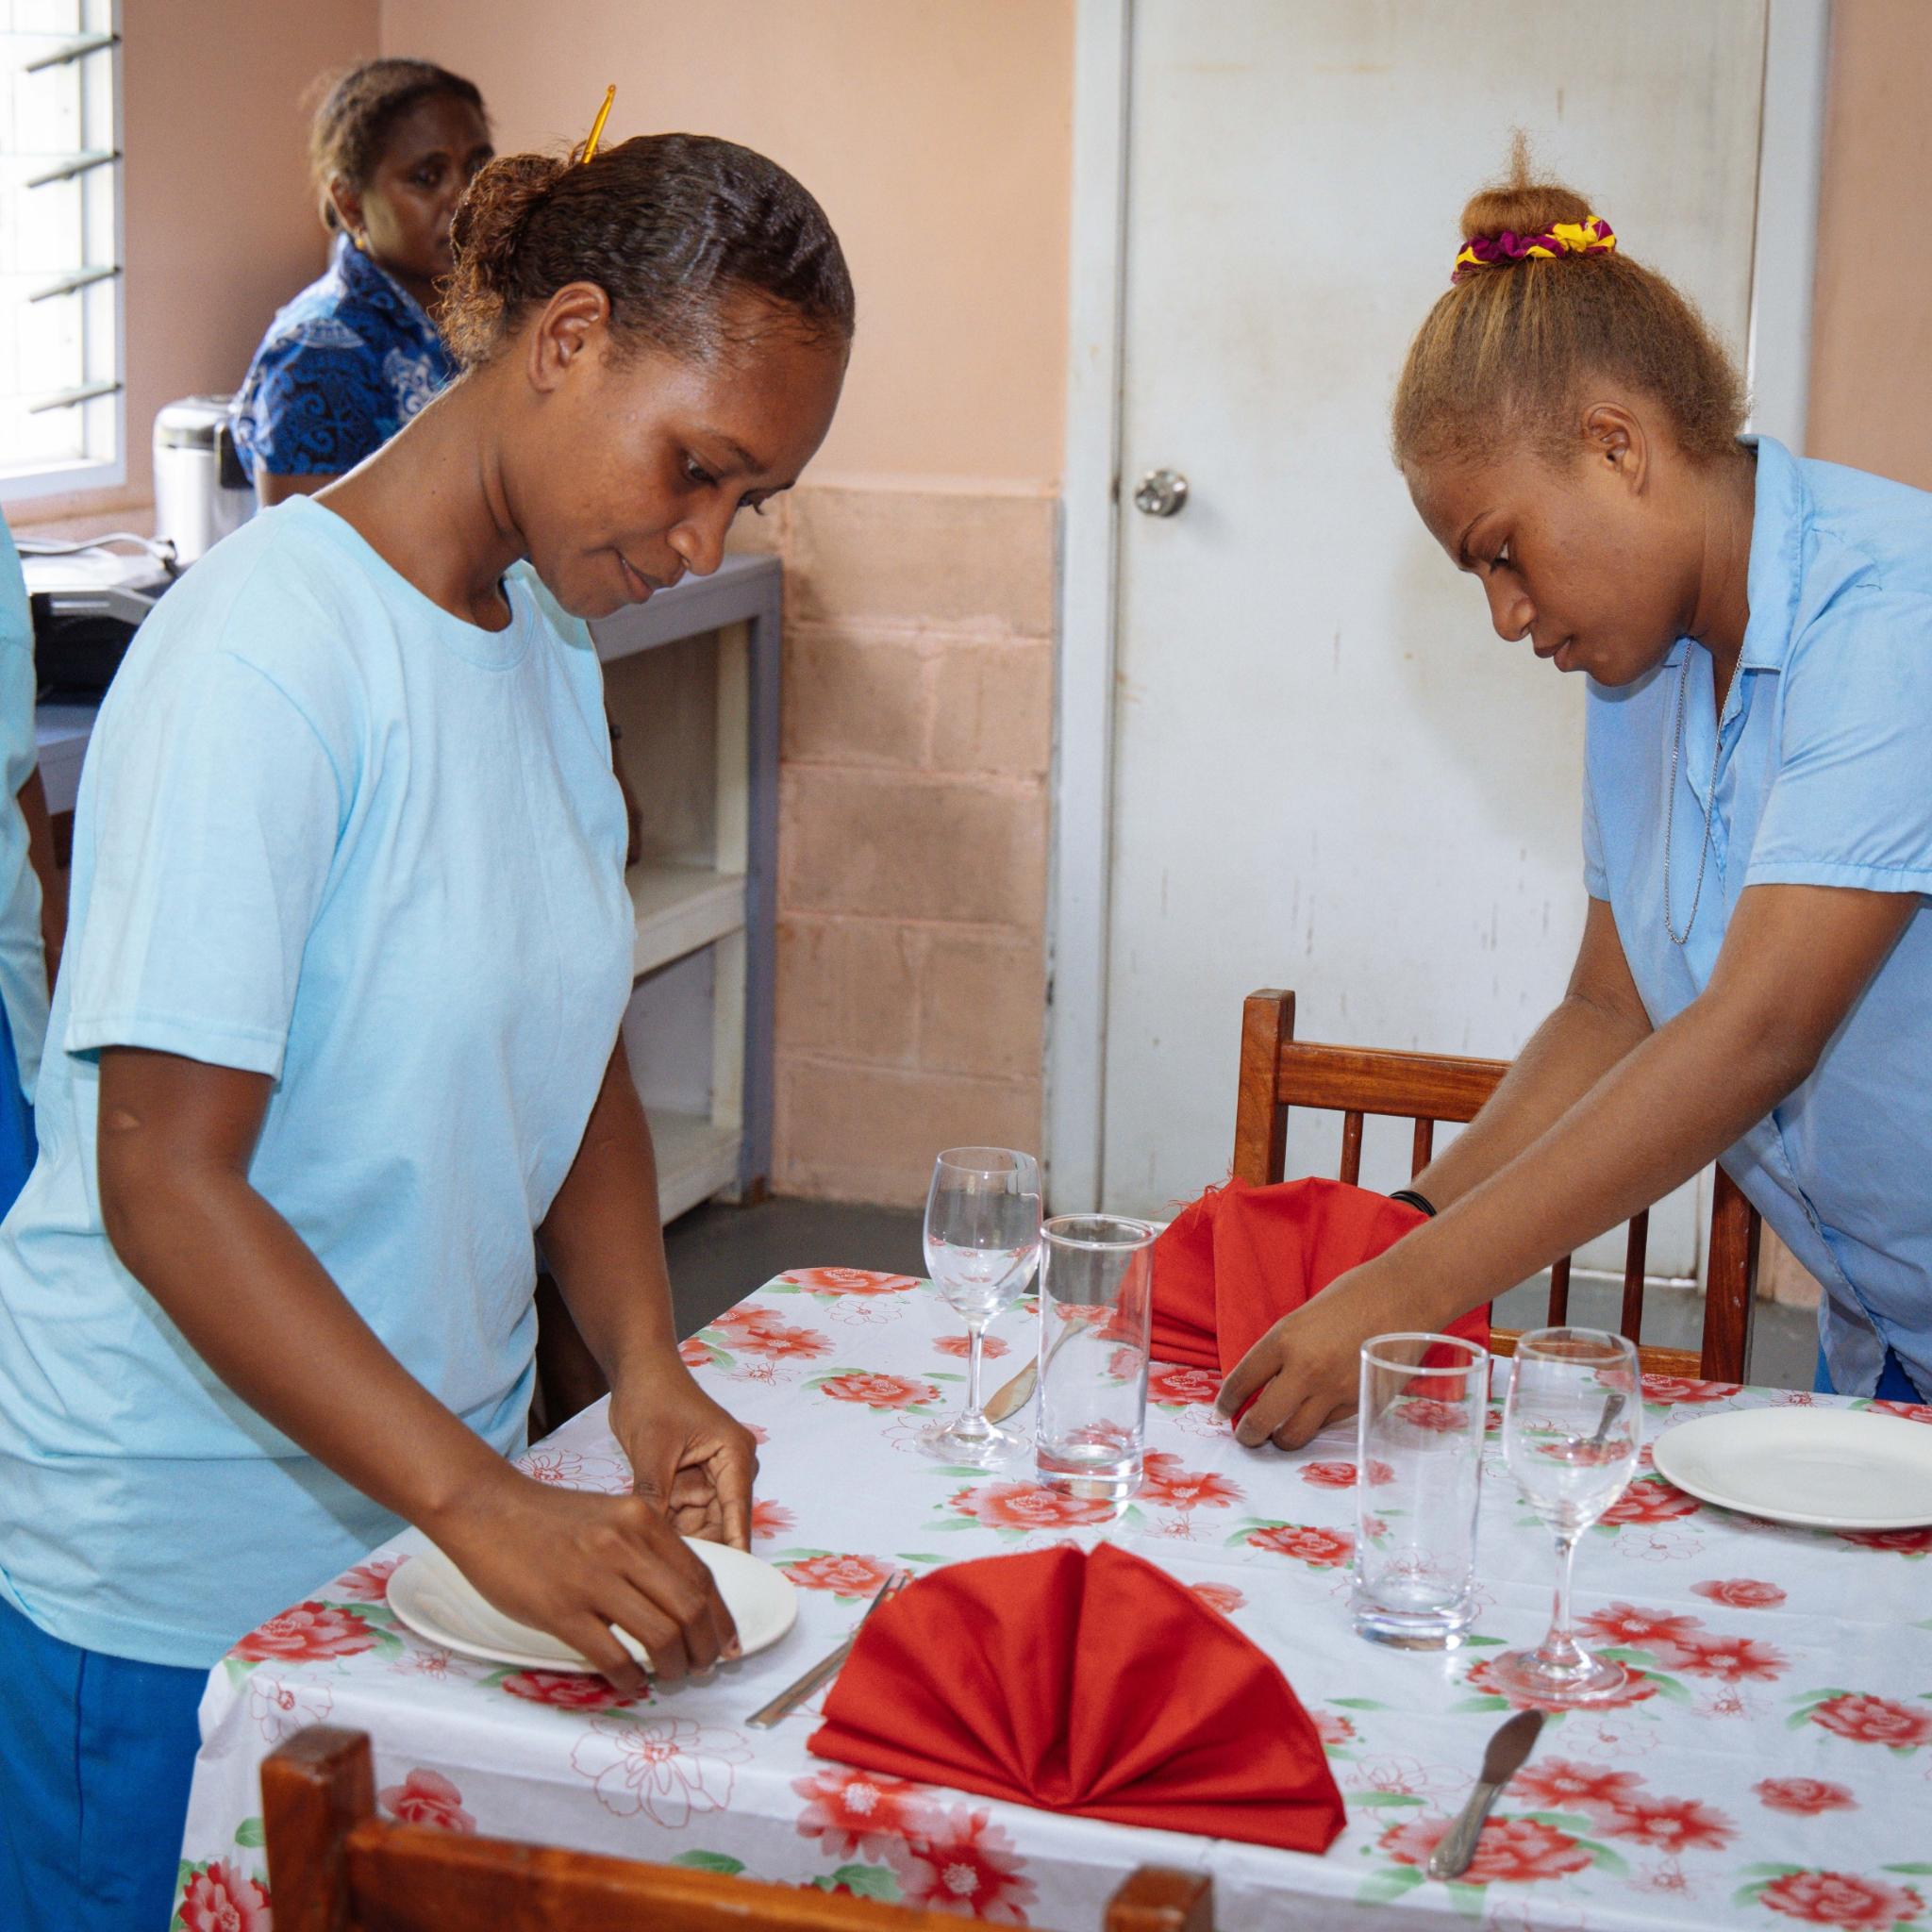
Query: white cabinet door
(1329, 772)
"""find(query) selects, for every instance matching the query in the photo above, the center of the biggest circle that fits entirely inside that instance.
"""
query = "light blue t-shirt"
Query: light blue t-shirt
(22, 956)
(1825, 778)
(329, 833)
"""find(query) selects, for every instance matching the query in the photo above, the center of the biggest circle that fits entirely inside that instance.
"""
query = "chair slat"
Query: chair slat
(1424, 1149)
(1442, 1086)
(1631, 1318)
(1560, 1293)
(1352, 1148)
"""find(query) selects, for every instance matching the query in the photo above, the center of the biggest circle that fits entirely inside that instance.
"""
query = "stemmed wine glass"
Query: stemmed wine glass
(1572, 1425)
(982, 1244)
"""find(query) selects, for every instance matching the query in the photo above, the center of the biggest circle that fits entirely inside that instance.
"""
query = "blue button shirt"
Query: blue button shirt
(1823, 759)
(342, 367)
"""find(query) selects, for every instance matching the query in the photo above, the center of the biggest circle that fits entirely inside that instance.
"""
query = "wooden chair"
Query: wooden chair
(1279, 1072)
(335, 1866)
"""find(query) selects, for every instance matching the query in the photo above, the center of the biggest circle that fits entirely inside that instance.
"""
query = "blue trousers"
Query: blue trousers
(1895, 1384)
(97, 1755)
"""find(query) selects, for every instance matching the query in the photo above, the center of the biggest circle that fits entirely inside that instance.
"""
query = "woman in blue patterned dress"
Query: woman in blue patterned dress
(347, 362)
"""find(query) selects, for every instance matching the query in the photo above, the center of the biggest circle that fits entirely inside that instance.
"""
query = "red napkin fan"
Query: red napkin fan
(1231, 1264)
(1093, 1683)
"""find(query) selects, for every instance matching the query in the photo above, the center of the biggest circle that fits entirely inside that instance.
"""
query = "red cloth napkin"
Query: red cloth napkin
(1094, 1684)
(1231, 1264)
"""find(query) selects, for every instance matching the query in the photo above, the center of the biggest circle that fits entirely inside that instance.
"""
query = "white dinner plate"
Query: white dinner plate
(438, 1602)
(1819, 1467)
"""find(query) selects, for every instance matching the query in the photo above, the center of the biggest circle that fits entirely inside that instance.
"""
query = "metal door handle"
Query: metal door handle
(1163, 494)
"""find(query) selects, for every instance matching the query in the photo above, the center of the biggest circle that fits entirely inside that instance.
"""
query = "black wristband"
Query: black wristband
(1415, 1200)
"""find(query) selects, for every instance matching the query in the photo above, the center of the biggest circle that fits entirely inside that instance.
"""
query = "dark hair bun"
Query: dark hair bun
(489, 224)
(1522, 205)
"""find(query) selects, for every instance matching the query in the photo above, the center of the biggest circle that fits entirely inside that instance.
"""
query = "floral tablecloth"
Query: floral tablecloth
(1772, 1763)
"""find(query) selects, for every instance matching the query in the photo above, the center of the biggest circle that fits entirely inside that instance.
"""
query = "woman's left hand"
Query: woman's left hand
(689, 1456)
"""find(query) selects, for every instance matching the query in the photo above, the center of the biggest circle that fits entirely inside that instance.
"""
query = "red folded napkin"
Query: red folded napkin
(1231, 1264)
(1094, 1684)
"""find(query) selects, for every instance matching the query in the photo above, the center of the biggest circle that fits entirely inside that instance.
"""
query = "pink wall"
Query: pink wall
(219, 223)
(936, 135)
(1871, 325)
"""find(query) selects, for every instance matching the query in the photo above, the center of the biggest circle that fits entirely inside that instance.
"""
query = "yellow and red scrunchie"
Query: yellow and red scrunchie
(1591, 236)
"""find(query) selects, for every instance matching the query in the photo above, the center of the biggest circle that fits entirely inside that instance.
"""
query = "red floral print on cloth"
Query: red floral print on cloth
(878, 1392)
(848, 1576)
(1304, 1541)
(280, 1708)
(1163, 1480)
(769, 1519)
(1909, 1542)
(777, 1343)
(1670, 1824)
(1804, 1797)
(1342, 1475)
(1223, 1597)
(961, 1345)
(1560, 1784)
(1733, 1658)
(1512, 1851)
(1637, 1688)
(1651, 1501)
(1741, 1593)
(1423, 1412)
(1674, 1388)
(307, 1632)
(367, 1583)
(426, 1797)
(965, 1864)
(1331, 1728)
(693, 1353)
(1907, 1411)
(667, 1768)
(1169, 1383)
(860, 1813)
(1873, 1721)
(748, 1318)
(1840, 1898)
(1029, 1505)
(1661, 1632)
(849, 1281)
(566, 1690)
(220, 1899)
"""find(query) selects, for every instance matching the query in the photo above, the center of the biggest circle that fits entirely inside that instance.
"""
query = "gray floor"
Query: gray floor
(720, 1255)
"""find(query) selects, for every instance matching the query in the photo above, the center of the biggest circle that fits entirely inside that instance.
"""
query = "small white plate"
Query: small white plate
(1819, 1467)
(438, 1602)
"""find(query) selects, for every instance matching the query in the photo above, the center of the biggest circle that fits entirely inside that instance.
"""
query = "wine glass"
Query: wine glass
(1571, 1424)
(982, 1244)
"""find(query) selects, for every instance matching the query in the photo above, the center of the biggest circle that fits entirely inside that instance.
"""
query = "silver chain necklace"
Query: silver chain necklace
(1678, 937)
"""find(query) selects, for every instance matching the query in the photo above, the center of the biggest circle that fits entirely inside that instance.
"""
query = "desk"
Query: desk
(1781, 1727)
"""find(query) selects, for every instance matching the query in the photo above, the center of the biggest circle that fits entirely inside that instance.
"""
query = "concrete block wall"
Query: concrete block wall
(913, 828)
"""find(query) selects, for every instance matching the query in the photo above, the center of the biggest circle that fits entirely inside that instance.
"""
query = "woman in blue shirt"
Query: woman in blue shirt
(336, 1038)
(1755, 983)
(355, 356)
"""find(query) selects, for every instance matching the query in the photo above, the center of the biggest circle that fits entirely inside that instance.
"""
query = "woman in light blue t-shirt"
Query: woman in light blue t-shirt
(336, 1038)
(1755, 980)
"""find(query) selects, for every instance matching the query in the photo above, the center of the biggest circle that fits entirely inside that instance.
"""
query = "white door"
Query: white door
(1329, 772)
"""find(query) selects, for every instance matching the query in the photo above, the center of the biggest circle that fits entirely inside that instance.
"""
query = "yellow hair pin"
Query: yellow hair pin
(597, 125)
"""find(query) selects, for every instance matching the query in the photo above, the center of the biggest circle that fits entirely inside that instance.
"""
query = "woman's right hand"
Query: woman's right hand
(573, 1563)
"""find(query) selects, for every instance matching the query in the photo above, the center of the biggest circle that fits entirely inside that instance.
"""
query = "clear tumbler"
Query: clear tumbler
(1419, 1468)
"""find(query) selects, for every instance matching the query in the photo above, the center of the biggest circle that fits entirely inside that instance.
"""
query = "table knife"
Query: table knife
(794, 1693)
(1515, 1739)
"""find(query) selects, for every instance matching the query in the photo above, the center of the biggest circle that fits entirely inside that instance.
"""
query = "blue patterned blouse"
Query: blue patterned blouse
(342, 367)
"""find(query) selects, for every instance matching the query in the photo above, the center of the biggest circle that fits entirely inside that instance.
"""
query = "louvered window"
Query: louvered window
(63, 414)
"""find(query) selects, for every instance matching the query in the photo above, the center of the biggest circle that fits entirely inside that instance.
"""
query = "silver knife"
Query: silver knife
(1515, 1739)
(794, 1693)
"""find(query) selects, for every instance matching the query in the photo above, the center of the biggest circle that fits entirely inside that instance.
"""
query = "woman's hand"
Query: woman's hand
(573, 1563)
(1304, 1372)
(687, 1456)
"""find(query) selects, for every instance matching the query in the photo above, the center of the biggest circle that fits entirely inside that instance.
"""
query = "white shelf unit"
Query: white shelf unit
(691, 679)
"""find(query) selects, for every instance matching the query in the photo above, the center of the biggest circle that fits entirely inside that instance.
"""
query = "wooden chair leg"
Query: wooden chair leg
(1730, 1286)
(1157, 1899)
(1260, 1122)
(315, 1789)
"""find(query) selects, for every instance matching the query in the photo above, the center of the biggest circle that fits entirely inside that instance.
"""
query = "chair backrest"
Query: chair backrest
(335, 1866)
(1279, 1072)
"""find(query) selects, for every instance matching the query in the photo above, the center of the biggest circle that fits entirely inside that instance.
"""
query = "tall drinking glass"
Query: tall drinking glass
(982, 1244)
(1097, 1280)
(1419, 1472)
(1571, 1426)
